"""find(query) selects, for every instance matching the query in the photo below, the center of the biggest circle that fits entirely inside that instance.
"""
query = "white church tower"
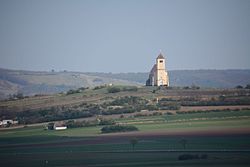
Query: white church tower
(158, 75)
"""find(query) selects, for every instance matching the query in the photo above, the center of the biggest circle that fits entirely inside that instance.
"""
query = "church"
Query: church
(158, 75)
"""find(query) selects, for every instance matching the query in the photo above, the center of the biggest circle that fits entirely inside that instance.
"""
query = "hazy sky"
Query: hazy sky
(124, 35)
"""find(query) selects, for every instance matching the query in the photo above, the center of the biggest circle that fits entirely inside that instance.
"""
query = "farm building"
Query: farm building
(59, 126)
(7, 121)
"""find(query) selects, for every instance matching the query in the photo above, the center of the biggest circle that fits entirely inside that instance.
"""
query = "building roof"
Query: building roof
(160, 56)
(153, 70)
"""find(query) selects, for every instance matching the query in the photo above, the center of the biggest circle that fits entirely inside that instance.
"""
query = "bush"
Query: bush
(169, 106)
(119, 111)
(151, 107)
(239, 87)
(113, 89)
(247, 86)
(118, 128)
(192, 156)
(51, 126)
(77, 124)
(17, 96)
(157, 113)
(195, 87)
(130, 88)
(79, 90)
(71, 91)
(99, 87)
(130, 100)
(106, 122)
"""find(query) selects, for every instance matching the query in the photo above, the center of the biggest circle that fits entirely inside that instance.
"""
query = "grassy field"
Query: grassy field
(224, 137)
(220, 133)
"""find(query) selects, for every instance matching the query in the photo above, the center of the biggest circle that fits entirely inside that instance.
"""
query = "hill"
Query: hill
(202, 78)
(42, 82)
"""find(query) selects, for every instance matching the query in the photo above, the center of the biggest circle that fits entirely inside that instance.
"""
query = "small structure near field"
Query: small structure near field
(8, 122)
(60, 127)
(56, 126)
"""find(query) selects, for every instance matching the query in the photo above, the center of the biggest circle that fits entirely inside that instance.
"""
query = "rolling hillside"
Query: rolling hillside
(42, 82)
(31, 82)
(202, 78)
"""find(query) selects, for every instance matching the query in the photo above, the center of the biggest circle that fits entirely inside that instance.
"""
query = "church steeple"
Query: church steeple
(160, 62)
(160, 56)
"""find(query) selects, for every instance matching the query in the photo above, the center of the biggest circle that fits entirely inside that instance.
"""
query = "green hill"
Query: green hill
(42, 82)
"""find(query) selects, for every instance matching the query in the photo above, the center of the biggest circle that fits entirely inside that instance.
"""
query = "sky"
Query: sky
(124, 35)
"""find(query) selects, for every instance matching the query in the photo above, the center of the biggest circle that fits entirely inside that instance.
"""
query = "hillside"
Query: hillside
(34, 82)
(42, 82)
(202, 78)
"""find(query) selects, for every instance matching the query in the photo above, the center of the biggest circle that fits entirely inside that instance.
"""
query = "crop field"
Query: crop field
(176, 127)
(219, 138)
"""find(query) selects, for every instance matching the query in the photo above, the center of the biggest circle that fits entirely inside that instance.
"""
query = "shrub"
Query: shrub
(118, 128)
(71, 91)
(157, 113)
(247, 86)
(239, 87)
(99, 87)
(151, 107)
(195, 87)
(113, 89)
(77, 124)
(169, 113)
(51, 126)
(79, 90)
(192, 156)
(106, 122)
(130, 88)
(119, 111)
(169, 106)
(131, 100)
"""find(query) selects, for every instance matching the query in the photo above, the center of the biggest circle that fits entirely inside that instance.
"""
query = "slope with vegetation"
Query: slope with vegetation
(115, 100)
(153, 126)
(35, 82)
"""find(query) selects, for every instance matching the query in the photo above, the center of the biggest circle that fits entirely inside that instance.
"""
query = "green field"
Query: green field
(158, 142)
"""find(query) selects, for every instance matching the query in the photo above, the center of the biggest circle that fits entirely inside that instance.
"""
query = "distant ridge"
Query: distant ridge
(42, 82)
(204, 78)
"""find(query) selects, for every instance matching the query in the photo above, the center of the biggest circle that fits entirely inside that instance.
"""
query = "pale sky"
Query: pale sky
(124, 35)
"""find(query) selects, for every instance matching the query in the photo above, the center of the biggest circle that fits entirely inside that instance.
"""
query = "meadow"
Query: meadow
(222, 137)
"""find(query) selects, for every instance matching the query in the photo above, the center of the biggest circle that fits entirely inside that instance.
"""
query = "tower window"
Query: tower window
(161, 61)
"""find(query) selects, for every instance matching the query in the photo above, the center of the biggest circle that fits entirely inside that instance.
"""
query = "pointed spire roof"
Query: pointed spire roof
(160, 56)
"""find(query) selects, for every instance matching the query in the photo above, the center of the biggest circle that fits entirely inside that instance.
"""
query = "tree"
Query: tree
(133, 142)
(118, 128)
(239, 87)
(183, 142)
(51, 126)
(193, 86)
(248, 86)
(113, 89)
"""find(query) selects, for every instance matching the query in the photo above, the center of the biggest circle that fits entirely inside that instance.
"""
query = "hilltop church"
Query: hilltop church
(158, 75)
